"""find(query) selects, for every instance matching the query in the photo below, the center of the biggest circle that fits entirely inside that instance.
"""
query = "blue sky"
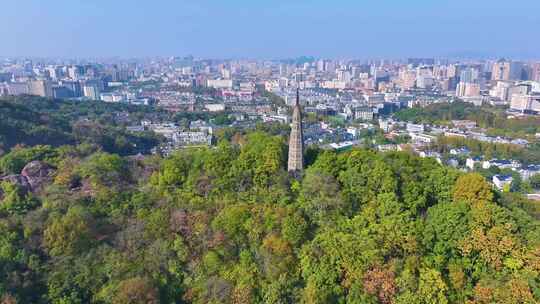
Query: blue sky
(270, 29)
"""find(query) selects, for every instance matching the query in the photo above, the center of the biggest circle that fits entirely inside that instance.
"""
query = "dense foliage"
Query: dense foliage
(492, 118)
(228, 225)
(526, 155)
(30, 120)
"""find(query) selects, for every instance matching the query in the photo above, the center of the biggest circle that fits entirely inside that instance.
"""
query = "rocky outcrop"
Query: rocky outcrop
(18, 180)
(37, 174)
(33, 177)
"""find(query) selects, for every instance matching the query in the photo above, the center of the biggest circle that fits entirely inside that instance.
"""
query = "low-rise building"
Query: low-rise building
(219, 83)
(527, 172)
(460, 151)
(415, 128)
(502, 182)
(189, 138)
(464, 124)
(452, 162)
(215, 107)
(501, 164)
(421, 138)
(471, 162)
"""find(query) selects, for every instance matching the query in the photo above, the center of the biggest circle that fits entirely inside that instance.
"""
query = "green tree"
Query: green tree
(136, 291)
(431, 287)
(69, 234)
(16, 200)
(14, 162)
(473, 188)
(535, 181)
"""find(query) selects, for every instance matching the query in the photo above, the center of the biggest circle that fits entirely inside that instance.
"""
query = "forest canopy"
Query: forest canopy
(228, 225)
(85, 220)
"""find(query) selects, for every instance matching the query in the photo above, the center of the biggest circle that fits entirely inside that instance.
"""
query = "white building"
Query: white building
(460, 151)
(501, 164)
(465, 89)
(18, 88)
(219, 83)
(352, 131)
(501, 90)
(217, 107)
(471, 162)
(192, 138)
(525, 103)
(166, 130)
(276, 118)
(112, 97)
(529, 171)
(452, 162)
(420, 138)
(502, 181)
(415, 128)
(334, 84)
(92, 92)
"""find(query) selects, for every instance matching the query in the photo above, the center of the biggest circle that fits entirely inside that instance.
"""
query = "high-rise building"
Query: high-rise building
(61, 92)
(74, 72)
(18, 88)
(3, 90)
(501, 90)
(55, 73)
(407, 79)
(343, 75)
(452, 71)
(425, 82)
(469, 75)
(501, 70)
(525, 103)
(320, 65)
(296, 140)
(467, 89)
(460, 89)
(517, 71)
(226, 73)
(40, 88)
(535, 72)
(73, 86)
(91, 91)
(507, 70)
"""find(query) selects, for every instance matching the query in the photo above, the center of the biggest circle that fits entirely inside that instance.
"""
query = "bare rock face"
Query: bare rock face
(37, 174)
(16, 179)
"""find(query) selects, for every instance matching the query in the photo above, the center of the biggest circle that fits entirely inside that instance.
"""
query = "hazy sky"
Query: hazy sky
(269, 29)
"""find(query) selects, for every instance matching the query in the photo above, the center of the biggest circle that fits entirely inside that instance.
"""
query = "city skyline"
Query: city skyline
(241, 29)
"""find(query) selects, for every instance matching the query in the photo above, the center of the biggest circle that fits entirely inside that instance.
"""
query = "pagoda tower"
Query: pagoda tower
(296, 140)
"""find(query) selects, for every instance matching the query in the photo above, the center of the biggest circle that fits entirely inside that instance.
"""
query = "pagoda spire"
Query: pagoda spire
(296, 140)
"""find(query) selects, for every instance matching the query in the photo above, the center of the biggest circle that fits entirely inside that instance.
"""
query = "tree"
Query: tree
(14, 162)
(69, 234)
(535, 181)
(431, 287)
(319, 196)
(136, 291)
(15, 199)
(381, 283)
(226, 224)
(473, 188)
(105, 170)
